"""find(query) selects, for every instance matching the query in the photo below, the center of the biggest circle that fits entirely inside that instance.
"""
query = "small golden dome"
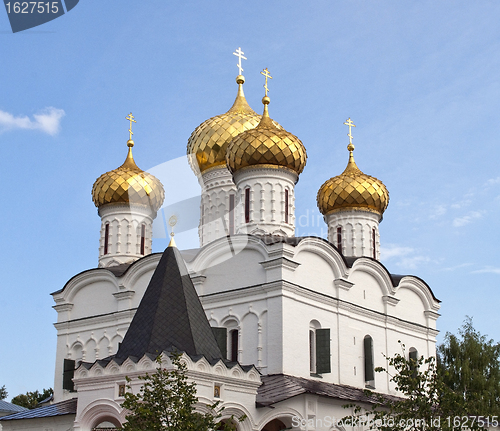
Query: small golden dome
(208, 143)
(353, 190)
(266, 145)
(128, 184)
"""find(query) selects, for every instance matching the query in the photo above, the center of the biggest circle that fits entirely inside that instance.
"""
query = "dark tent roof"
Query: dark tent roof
(170, 315)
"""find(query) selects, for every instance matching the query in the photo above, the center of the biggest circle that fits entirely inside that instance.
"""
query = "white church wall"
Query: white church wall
(366, 291)
(314, 272)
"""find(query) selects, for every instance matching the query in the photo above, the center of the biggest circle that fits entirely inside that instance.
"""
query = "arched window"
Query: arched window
(374, 239)
(233, 345)
(286, 205)
(231, 214)
(369, 367)
(143, 239)
(106, 238)
(319, 349)
(413, 357)
(339, 238)
(312, 351)
(247, 205)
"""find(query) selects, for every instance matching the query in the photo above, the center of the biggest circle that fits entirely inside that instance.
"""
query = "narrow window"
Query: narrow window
(234, 345)
(286, 205)
(106, 238)
(312, 351)
(339, 238)
(374, 246)
(68, 374)
(231, 214)
(143, 238)
(369, 368)
(247, 205)
(413, 356)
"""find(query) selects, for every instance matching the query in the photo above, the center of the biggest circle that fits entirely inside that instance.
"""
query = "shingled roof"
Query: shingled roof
(280, 387)
(170, 315)
(67, 407)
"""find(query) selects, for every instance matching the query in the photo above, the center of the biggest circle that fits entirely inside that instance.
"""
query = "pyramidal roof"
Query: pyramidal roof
(170, 315)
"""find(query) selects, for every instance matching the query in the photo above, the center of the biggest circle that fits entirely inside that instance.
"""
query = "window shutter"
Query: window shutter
(221, 338)
(369, 371)
(323, 363)
(68, 374)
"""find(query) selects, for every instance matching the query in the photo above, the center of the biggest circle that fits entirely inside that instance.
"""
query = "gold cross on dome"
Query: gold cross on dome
(350, 124)
(266, 73)
(239, 53)
(130, 118)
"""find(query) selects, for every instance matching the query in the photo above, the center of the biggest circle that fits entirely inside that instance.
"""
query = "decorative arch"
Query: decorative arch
(421, 289)
(323, 249)
(101, 410)
(285, 415)
(377, 271)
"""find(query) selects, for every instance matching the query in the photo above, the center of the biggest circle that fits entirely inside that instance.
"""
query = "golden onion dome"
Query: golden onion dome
(207, 145)
(353, 190)
(266, 145)
(128, 184)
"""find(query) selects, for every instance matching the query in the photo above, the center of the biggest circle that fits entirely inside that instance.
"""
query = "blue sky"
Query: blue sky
(419, 79)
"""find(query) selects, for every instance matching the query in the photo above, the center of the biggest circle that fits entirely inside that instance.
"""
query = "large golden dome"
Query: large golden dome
(207, 145)
(128, 184)
(266, 145)
(353, 190)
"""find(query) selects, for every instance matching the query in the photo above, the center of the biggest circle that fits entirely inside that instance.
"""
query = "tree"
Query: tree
(470, 366)
(460, 389)
(426, 402)
(166, 402)
(30, 400)
(3, 393)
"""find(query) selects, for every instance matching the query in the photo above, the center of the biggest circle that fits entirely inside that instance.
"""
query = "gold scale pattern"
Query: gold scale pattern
(266, 145)
(353, 190)
(128, 184)
(209, 141)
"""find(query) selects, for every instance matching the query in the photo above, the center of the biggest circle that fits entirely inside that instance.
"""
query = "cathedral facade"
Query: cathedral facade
(282, 329)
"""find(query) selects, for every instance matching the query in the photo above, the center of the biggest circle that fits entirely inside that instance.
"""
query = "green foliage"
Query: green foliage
(166, 402)
(31, 399)
(3, 393)
(470, 366)
(461, 390)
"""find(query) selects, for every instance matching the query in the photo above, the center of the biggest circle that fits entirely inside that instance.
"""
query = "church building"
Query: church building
(282, 329)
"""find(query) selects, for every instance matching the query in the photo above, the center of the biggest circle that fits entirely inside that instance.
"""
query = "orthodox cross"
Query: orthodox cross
(350, 124)
(172, 221)
(130, 118)
(266, 73)
(239, 53)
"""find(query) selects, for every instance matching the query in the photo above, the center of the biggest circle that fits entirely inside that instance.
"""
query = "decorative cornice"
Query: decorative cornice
(280, 262)
(431, 314)
(343, 283)
(126, 294)
(388, 299)
(63, 307)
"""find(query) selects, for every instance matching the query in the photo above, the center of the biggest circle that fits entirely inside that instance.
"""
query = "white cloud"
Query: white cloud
(453, 268)
(392, 251)
(492, 181)
(469, 218)
(487, 270)
(406, 257)
(438, 211)
(47, 120)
